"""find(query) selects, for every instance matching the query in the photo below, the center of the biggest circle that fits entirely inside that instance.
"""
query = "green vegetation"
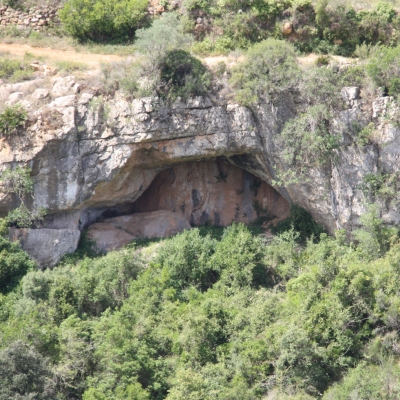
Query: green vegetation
(103, 20)
(183, 75)
(12, 118)
(383, 68)
(301, 223)
(209, 314)
(163, 68)
(71, 66)
(19, 183)
(13, 70)
(270, 68)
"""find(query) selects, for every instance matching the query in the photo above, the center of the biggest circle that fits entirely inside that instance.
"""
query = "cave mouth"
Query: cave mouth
(212, 192)
(190, 194)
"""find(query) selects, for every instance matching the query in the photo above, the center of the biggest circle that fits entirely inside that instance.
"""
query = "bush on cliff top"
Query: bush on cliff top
(183, 75)
(270, 67)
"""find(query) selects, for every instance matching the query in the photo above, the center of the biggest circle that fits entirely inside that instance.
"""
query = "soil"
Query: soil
(51, 55)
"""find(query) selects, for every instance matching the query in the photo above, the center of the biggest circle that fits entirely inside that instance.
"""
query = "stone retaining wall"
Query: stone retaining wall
(37, 18)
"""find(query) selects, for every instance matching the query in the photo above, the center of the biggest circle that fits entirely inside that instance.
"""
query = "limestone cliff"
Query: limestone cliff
(90, 155)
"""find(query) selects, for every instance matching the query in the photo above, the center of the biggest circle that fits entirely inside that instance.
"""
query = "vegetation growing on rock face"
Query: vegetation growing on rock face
(12, 118)
(18, 182)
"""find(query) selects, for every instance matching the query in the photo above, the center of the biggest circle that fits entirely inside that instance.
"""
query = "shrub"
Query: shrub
(308, 139)
(183, 75)
(103, 20)
(141, 76)
(19, 182)
(14, 70)
(186, 259)
(23, 373)
(12, 118)
(165, 34)
(384, 68)
(14, 264)
(270, 68)
(301, 221)
(374, 238)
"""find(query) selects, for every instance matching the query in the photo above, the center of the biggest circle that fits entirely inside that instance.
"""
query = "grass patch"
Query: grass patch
(13, 70)
(71, 66)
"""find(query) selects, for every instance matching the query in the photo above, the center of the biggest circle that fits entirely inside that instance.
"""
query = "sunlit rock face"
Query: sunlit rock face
(89, 154)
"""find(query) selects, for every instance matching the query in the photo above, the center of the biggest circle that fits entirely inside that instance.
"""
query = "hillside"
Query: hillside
(199, 200)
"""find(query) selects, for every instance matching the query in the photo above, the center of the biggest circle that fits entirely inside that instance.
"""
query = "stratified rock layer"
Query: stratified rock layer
(89, 154)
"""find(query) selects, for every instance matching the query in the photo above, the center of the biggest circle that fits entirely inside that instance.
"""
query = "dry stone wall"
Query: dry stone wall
(36, 18)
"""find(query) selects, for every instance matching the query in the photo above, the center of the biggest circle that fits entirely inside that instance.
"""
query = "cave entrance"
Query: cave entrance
(190, 194)
(212, 192)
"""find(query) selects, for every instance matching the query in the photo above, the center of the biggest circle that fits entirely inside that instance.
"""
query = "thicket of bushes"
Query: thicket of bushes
(103, 20)
(322, 26)
(200, 317)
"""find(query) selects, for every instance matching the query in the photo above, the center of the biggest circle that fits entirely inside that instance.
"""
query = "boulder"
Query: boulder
(46, 246)
(15, 97)
(116, 232)
(287, 28)
(63, 86)
(40, 94)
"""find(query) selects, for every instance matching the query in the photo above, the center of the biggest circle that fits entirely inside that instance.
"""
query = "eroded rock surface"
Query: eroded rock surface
(116, 232)
(46, 246)
(89, 153)
(213, 192)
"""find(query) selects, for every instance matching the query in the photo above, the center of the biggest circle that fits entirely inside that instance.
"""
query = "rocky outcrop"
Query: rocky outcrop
(90, 154)
(46, 246)
(116, 232)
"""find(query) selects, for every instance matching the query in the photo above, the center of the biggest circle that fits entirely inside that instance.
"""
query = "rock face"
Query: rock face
(46, 246)
(116, 232)
(89, 155)
(212, 192)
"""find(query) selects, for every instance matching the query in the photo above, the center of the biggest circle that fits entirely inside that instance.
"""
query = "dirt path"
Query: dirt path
(92, 60)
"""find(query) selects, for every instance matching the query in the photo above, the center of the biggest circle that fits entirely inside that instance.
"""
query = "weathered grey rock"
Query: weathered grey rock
(46, 246)
(350, 93)
(63, 86)
(15, 97)
(117, 232)
(40, 94)
(89, 154)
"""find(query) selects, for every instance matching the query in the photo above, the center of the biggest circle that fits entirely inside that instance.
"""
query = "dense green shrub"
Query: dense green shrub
(201, 316)
(183, 75)
(270, 68)
(103, 20)
(140, 76)
(301, 221)
(186, 258)
(165, 34)
(23, 373)
(14, 264)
